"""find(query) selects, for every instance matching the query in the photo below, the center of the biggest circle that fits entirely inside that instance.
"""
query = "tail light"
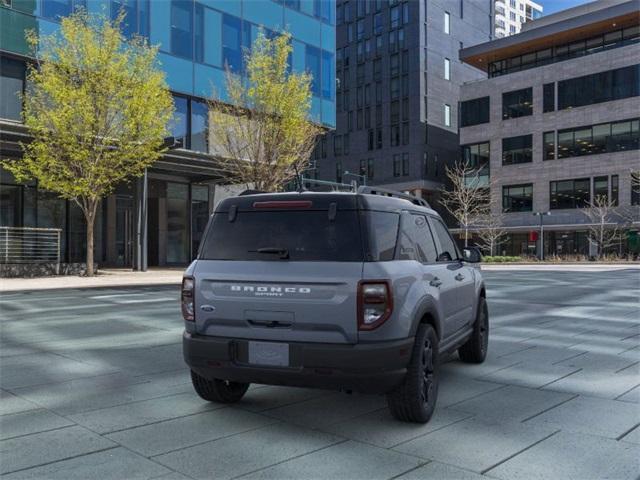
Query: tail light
(375, 304)
(186, 299)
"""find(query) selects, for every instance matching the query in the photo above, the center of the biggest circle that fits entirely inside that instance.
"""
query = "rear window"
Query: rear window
(302, 235)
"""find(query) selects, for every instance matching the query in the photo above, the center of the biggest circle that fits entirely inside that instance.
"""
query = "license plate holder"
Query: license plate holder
(271, 354)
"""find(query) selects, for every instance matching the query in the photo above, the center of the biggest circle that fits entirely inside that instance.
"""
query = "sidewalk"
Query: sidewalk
(105, 278)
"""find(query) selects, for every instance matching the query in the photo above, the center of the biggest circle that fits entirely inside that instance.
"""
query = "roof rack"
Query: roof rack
(392, 193)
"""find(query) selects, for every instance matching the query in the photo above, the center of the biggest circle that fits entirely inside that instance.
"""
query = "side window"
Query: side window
(448, 250)
(383, 228)
(416, 242)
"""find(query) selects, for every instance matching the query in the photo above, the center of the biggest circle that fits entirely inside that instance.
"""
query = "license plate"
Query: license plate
(269, 353)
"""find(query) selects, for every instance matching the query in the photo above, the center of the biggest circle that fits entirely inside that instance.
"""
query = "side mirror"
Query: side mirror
(471, 255)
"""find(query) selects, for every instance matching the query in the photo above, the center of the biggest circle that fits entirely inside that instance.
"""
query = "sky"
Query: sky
(552, 6)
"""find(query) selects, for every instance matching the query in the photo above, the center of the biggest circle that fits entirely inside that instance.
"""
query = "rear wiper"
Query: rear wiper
(283, 252)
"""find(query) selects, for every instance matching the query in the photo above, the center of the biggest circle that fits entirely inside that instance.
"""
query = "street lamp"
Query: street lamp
(363, 177)
(541, 215)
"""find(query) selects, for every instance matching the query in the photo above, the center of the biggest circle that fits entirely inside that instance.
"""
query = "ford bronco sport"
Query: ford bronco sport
(362, 291)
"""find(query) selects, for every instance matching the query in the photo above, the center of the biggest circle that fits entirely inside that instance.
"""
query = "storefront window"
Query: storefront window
(11, 85)
(199, 215)
(177, 223)
(179, 124)
(199, 124)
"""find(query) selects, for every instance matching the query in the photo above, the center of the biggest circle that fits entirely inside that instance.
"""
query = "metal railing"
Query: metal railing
(30, 245)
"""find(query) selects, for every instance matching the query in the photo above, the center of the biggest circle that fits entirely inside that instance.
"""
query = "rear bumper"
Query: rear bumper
(368, 368)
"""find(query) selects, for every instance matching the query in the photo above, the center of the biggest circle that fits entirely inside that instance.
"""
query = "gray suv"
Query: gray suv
(362, 291)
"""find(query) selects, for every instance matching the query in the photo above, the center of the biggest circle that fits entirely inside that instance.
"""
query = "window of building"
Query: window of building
(12, 78)
(328, 75)
(394, 16)
(377, 23)
(599, 87)
(394, 65)
(447, 23)
(549, 97)
(199, 126)
(549, 145)
(516, 150)
(447, 115)
(377, 69)
(339, 172)
(405, 133)
(394, 112)
(56, 9)
(359, 119)
(360, 29)
(405, 164)
(518, 103)
(367, 117)
(179, 125)
(570, 193)
(447, 69)
(397, 166)
(602, 138)
(378, 138)
(370, 170)
(635, 188)
(231, 43)
(345, 144)
(615, 192)
(312, 63)
(182, 28)
(337, 145)
(517, 198)
(394, 87)
(370, 138)
(601, 188)
(474, 112)
(136, 20)
(477, 156)
(395, 135)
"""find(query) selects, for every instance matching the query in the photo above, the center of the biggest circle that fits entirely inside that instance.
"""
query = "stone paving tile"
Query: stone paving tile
(457, 388)
(25, 370)
(150, 440)
(633, 436)
(542, 355)
(32, 421)
(349, 460)
(473, 370)
(573, 456)
(141, 413)
(598, 362)
(10, 403)
(113, 464)
(77, 396)
(270, 397)
(246, 452)
(326, 410)
(596, 384)
(41, 448)
(632, 395)
(475, 445)
(172, 476)
(511, 404)
(528, 374)
(440, 471)
(607, 418)
(381, 429)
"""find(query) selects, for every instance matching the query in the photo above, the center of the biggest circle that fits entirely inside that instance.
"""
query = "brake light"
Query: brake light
(375, 303)
(284, 204)
(186, 299)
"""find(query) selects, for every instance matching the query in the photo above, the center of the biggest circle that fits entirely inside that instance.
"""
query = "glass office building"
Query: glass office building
(198, 40)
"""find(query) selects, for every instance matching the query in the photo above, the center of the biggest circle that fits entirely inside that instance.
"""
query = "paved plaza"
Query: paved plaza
(93, 386)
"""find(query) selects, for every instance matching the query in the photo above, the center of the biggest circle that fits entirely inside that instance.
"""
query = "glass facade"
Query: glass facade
(570, 193)
(517, 198)
(614, 39)
(198, 39)
(474, 112)
(599, 87)
(518, 103)
(602, 138)
(517, 150)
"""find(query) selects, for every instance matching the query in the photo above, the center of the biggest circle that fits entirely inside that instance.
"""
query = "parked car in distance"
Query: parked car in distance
(362, 291)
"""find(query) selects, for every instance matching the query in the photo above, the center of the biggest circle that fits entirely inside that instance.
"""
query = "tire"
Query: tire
(220, 391)
(415, 399)
(475, 349)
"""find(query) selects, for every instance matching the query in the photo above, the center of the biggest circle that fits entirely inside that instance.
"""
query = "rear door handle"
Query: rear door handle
(435, 282)
(459, 277)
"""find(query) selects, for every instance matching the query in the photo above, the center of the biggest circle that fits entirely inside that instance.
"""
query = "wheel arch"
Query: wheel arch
(428, 313)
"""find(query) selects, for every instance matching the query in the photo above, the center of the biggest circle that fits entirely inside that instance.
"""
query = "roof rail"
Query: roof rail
(392, 193)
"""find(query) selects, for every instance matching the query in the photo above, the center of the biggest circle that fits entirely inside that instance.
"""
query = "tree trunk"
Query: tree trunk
(466, 237)
(90, 217)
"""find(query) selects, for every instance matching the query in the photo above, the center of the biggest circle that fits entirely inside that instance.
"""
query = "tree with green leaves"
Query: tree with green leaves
(97, 107)
(261, 130)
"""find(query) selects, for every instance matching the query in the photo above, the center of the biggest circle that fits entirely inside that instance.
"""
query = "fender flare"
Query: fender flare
(427, 307)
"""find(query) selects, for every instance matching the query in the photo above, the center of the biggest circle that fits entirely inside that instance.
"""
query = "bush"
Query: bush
(501, 259)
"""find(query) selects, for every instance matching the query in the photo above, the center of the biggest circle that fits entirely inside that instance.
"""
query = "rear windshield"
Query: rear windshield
(304, 235)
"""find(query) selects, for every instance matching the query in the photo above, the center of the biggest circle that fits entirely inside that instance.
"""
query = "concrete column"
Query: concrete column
(140, 251)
